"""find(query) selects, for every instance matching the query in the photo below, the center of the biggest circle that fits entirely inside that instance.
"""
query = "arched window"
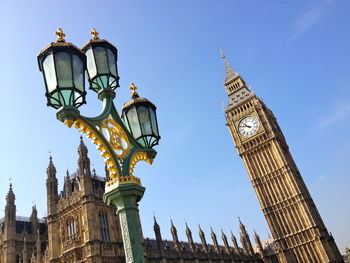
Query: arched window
(104, 227)
(71, 229)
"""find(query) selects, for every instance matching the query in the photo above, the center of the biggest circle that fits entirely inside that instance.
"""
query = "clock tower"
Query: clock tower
(291, 214)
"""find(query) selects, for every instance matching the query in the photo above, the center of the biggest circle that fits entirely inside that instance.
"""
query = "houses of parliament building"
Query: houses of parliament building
(80, 227)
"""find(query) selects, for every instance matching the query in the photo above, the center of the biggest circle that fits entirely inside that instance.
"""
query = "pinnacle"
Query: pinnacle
(230, 73)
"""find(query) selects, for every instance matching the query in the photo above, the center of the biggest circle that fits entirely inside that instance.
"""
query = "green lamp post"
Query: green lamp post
(122, 141)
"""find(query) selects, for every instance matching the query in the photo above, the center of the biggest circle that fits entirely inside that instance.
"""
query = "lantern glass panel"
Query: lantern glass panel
(55, 100)
(134, 122)
(145, 121)
(66, 97)
(78, 99)
(91, 66)
(112, 62)
(78, 72)
(153, 121)
(49, 70)
(101, 60)
(64, 69)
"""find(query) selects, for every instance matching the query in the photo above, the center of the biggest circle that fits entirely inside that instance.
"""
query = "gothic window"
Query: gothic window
(71, 229)
(104, 227)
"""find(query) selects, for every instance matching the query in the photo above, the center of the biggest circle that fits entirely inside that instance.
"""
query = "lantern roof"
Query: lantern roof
(60, 42)
(135, 98)
(96, 41)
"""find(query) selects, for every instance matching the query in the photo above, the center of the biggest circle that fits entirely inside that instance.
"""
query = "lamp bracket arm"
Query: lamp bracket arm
(90, 128)
(136, 155)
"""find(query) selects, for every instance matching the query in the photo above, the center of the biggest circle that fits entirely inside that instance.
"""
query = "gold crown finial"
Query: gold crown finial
(94, 34)
(133, 88)
(60, 35)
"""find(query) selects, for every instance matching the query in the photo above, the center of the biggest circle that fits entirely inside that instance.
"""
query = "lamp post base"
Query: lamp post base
(125, 198)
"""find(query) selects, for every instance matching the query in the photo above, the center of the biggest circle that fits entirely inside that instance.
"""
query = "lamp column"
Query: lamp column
(125, 198)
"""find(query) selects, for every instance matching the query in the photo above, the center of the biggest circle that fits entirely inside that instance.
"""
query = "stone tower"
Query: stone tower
(290, 212)
(81, 227)
(10, 228)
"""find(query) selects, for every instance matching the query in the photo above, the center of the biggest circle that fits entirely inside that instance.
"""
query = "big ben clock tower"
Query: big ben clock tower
(293, 219)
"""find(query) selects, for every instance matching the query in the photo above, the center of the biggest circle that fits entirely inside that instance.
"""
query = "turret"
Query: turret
(245, 240)
(67, 184)
(258, 242)
(157, 232)
(224, 240)
(175, 238)
(235, 244)
(10, 227)
(215, 241)
(10, 215)
(84, 168)
(51, 188)
(34, 219)
(190, 239)
(202, 237)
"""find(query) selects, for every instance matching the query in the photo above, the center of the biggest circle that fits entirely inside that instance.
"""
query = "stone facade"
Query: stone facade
(292, 216)
(80, 227)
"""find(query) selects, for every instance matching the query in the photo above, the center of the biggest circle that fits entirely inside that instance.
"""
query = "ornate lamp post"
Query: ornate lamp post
(123, 141)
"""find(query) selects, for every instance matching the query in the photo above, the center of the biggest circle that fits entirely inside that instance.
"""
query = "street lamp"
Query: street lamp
(122, 141)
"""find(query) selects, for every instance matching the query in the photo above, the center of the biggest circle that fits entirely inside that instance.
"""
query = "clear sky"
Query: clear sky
(294, 54)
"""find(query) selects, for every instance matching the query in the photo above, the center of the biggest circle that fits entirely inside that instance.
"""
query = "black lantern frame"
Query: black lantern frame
(102, 68)
(139, 116)
(73, 93)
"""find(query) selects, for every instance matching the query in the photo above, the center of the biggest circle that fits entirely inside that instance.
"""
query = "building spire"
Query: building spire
(189, 238)
(258, 242)
(51, 169)
(215, 240)
(230, 73)
(83, 161)
(224, 239)
(10, 197)
(158, 234)
(235, 244)
(175, 237)
(202, 237)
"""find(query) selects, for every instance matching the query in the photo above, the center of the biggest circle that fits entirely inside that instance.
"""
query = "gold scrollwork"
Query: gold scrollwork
(116, 137)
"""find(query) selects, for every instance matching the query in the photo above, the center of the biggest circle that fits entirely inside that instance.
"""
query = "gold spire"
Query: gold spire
(60, 35)
(94, 34)
(133, 88)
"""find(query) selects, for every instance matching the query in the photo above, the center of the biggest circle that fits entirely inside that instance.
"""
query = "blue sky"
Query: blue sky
(294, 54)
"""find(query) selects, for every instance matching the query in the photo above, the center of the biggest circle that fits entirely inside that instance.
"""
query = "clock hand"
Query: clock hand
(245, 125)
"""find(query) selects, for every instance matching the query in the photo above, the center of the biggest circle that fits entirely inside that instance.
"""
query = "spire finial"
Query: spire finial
(94, 34)
(60, 35)
(222, 54)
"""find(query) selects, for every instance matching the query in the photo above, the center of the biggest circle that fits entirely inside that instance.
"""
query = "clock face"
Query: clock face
(249, 126)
